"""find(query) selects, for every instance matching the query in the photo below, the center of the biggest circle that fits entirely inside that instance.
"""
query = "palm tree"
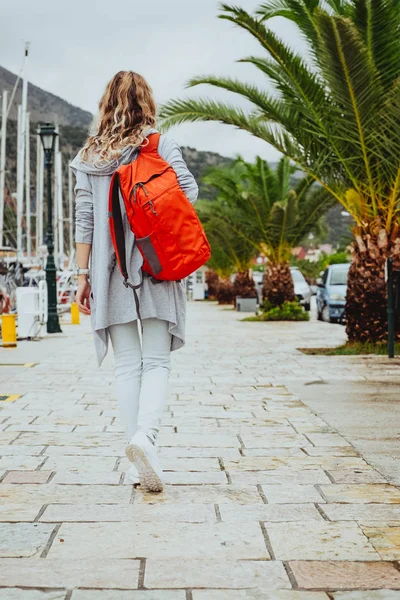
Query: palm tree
(229, 252)
(258, 210)
(337, 115)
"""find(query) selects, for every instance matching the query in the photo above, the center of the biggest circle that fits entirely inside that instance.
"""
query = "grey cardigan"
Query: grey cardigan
(111, 301)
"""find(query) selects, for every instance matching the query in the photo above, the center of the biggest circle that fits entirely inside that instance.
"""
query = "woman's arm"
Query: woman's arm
(83, 237)
(169, 150)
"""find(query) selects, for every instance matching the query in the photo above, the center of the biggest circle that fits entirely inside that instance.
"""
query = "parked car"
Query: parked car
(301, 288)
(331, 295)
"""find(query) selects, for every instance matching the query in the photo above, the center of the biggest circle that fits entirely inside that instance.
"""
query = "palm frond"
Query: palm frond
(177, 112)
(378, 23)
(354, 87)
(266, 104)
(300, 12)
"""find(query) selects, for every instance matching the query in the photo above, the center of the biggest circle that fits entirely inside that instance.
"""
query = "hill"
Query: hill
(43, 105)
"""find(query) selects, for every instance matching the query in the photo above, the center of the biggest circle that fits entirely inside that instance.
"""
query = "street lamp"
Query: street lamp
(48, 136)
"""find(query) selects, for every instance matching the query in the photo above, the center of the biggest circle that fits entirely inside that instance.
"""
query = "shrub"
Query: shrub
(338, 258)
(289, 311)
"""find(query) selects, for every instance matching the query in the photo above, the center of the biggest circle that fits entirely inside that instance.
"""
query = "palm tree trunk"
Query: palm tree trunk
(366, 303)
(212, 281)
(225, 291)
(278, 285)
(244, 285)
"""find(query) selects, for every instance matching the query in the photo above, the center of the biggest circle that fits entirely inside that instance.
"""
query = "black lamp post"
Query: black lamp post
(48, 136)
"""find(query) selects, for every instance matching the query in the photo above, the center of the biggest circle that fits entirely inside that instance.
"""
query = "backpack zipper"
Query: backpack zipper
(135, 188)
(142, 184)
(150, 202)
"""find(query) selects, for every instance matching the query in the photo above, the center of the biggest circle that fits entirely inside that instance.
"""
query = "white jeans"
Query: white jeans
(141, 374)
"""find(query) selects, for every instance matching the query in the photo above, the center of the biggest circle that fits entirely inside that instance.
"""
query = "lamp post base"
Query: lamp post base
(53, 324)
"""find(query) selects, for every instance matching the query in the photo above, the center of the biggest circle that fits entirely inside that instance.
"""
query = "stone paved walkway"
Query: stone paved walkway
(264, 499)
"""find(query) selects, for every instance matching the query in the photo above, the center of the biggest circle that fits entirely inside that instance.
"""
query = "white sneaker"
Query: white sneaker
(132, 476)
(143, 454)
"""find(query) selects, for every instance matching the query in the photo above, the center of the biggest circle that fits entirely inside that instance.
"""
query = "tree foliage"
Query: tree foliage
(337, 115)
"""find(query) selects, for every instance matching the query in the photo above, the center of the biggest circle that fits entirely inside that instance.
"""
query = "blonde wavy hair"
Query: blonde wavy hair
(127, 111)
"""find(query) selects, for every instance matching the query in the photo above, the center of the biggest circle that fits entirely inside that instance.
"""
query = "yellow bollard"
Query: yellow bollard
(8, 330)
(75, 314)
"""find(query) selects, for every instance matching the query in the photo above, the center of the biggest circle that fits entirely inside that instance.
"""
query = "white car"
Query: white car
(301, 288)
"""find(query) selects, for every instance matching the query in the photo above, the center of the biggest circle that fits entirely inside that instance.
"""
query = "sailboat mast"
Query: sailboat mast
(20, 182)
(3, 162)
(21, 153)
(55, 205)
(28, 188)
(70, 214)
(60, 212)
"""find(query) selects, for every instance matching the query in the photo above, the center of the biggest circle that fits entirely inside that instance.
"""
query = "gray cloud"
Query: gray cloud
(77, 46)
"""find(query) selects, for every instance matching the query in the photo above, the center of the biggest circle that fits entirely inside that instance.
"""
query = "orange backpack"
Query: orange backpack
(167, 229)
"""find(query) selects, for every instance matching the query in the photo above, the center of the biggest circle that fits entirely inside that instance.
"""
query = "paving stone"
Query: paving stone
(188, 573)
(188, 452)
(201, 495)
(386, 540)
(27, 477)
(168, 513)
(8, 436)
(133, 540)
(371, 595)
(73, 451)
(280, 441)
(46, 428)
(257, 594)
(64, 494)
(361, 493)
(320, 541)
(272, 452)
(357, 476)
(11, 450)
(301, 461)
(14, 513)
(20, 594)
(71, 463)
(271, 513)
(87, 477)
(327, 439)
(55, 573)
(87, 440)
(23, 539)
(190, 464)
(363, 513)
(195, 478)
(280, 476)
(198, 440)
(338, 575)
(332, 451)
(296, 494)
(24, 463)
(128, 595)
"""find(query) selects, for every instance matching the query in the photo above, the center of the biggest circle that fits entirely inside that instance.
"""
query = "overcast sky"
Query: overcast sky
(77, 46)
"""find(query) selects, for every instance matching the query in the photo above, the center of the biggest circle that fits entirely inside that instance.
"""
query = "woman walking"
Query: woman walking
(126, 118)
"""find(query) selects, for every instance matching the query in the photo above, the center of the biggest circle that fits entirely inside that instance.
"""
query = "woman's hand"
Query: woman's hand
(82, 296)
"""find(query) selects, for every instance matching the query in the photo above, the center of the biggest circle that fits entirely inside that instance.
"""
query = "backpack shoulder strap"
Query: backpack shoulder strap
(118, 237)
(117, 230)
(150, 144)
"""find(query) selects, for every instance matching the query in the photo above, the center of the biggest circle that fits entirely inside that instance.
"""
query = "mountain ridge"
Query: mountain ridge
(43, 105)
